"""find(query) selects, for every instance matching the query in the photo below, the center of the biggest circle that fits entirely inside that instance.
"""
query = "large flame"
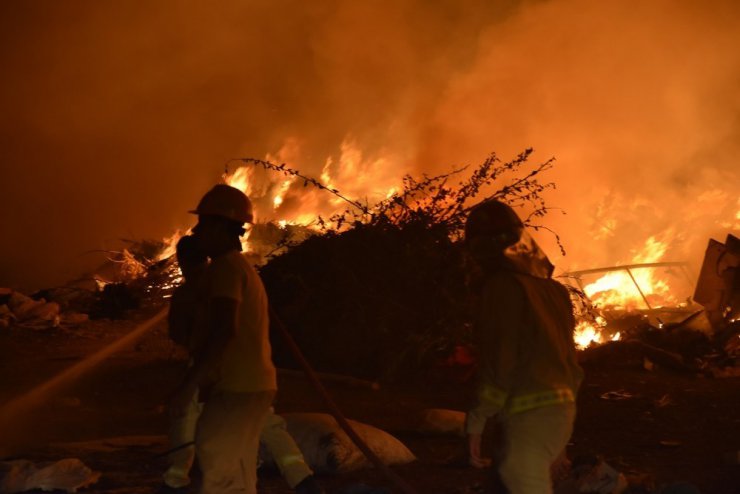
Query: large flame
(640, 285)
(285, 200)
(634, 287)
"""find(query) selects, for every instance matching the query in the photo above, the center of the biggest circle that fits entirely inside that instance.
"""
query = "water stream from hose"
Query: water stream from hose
(13, 412)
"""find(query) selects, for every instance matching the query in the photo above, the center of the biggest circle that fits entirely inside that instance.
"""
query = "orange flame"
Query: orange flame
(633, 288)
(590, 333)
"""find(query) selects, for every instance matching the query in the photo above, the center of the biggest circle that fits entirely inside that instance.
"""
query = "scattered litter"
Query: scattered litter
(68, 475)
(442, 421)
(617, 395)
(33, 312)
(327, 448)
(37, 313)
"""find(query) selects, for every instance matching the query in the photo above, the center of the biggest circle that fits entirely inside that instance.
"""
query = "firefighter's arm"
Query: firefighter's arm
(475, 422)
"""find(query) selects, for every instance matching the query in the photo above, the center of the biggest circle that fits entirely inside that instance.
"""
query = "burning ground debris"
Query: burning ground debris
(141, 275)
(699, 335)
(369, 290)
(383, 291)
(377, 290)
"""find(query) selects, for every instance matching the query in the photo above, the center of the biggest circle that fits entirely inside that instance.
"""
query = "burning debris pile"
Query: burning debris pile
(375, 290)
(368, 290)
(383, 289)
(648, 326)
(140, 275)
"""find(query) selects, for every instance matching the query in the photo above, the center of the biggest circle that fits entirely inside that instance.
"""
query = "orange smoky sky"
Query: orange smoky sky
(117, 116)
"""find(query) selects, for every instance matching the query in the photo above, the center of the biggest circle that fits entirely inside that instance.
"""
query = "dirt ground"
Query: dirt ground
(665, 428)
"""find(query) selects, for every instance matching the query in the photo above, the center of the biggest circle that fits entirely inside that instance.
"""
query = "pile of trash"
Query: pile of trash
(702, 338)
(142, 275)
(22, 311)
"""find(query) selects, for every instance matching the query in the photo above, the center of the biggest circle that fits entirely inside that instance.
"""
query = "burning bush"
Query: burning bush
(383, 289)
(373, 289)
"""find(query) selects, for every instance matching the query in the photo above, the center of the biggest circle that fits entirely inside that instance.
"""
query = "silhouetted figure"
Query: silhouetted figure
(528, 374)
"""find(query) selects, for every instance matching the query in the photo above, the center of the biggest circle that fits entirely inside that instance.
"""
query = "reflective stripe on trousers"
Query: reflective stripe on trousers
(284, 451)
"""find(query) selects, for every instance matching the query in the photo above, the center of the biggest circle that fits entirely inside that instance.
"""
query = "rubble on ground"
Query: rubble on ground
(20, 310)
(68, 475)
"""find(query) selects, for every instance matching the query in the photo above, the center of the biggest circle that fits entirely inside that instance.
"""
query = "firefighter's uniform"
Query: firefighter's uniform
(187, 321)
(243, 384)
(528, 375)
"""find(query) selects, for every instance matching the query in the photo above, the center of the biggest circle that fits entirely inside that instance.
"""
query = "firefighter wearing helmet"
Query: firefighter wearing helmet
(232, 371)
(528, 375)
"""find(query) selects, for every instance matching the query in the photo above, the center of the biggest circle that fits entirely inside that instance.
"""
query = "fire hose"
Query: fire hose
(334, 409)
(21, 405)
(313, 378)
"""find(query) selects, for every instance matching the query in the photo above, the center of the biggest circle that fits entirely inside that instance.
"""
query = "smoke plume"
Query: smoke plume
(119, 115)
